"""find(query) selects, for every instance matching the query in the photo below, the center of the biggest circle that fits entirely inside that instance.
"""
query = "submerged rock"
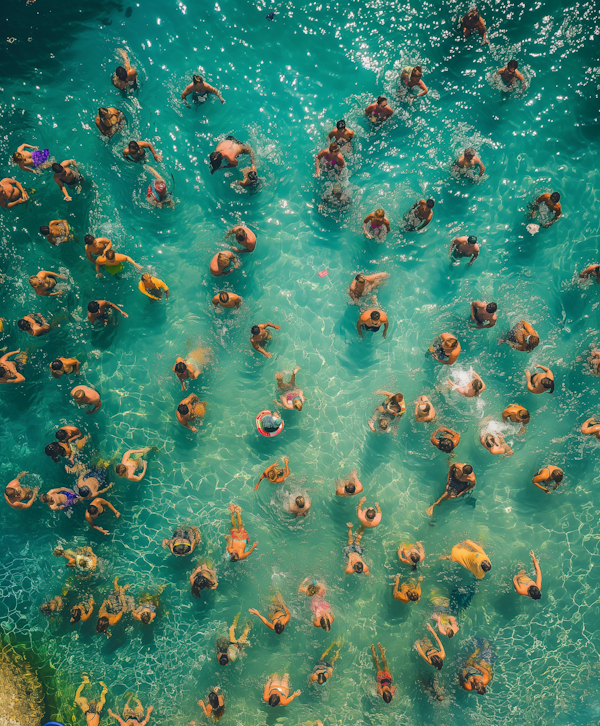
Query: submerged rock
(21, 695)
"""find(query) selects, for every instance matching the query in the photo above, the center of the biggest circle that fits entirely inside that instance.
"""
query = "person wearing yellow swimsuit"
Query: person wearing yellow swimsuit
(152, 287)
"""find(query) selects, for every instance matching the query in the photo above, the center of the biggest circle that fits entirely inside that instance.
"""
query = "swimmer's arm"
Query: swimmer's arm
(386, 221)
(482, 32)
(272, 325)
(522, 79)
(284, 701)
(24, 195)
(538, 572)
(135, 264)
(425, 222)
(203, 707)
(148, 712)
(538, 478)
(439, 642)
(90, 521)
(270, 625)
(212, 89)
(125, 58)
(87, 613)
(383, 393)
(257, 347)
(451, 246)
(477, 160)
(475, 546)
(476, 253)
(148, 145)
(119, 719)
(386, 325)
(187, 91)
(103, 502)
(424, 91)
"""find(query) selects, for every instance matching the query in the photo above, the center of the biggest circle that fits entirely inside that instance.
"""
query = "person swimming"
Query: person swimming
(376, 225)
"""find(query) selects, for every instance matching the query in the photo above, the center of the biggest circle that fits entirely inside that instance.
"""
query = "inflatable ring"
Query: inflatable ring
(54, 723)
(262, 431)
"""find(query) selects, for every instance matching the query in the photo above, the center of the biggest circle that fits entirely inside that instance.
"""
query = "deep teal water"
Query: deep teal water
(286, 83)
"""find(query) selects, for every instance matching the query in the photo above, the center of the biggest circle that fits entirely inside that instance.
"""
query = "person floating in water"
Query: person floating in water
(129, 466)
(60, 499)
(64, 367)
(153, 287)
(147, 606)
(291, 397)
(350, 486)
(279, 615)
(109, 120)
(524, 585)
(277, 690)
(238, 537)
(471, 22)
(299, 505)
(477, 672)
(215, 706)
(133, 716)
(369, 517)
(86, 396)
(428, 651)
(550, 475)
(379, 110)
(464, 247)
(517, 414)
(342, 135)
(547, 204)
(91, 709)
(274, 473)
(471, 556)
(472, 388)
(157, 193)
(31, 161)
(331, 158)
(461, 479)
(245, 237)
(229, 150)
(509, 74)
(35, 324)
(260, 334)
(384, 678)
(591, 427)
(445, 439)
(82, 611)
(354, 553)
(411, 77)
(540, 382)
(95, 509)
(445, 349)
(112, 609)
(376, 225)
(411, 554)
(419, 215)
(183, 541)
(372, 320)
(113, 262)
(198, 89)
(10, 370)
(591, 271)
(229, 649)
(312, 587)
(190, 409)
(65, 176)
(323, 669)
(82, 560)
(364, 285)
(466, 161)
(184, 371)
(44, 282)
(220, 263)
(124, 76)
(57, 232)
(484, 315)
(226, 300)
(424, 410)
(19, 497)
(407, 591)
(204, 577)
(522, 337)
(12, 193)
(390, 411)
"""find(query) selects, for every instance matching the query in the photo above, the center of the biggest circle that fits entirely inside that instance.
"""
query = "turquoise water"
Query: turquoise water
(286, 83)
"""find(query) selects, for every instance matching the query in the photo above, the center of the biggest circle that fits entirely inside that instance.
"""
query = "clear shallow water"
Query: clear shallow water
(286, 83)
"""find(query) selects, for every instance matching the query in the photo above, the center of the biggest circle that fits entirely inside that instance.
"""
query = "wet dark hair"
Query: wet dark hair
(215, 160)
(321, 677)
(54, 451)
(121, 73)
(93, 306)
(534, 592)
(2, 371)
(183, 409)
(471, 239)
(387, 695)
(57, 365)
(274, 699)
(197, 79)
(24, 324)
(523, 414)
(412, 595)
(341, 124)
(415, 557)
(224, 297)
(375, 315)
(477, 384)
(512, 64)
(61, 435)
(480, 688)
(84, 491)
(555, 197)
(45, 230)
(223, 659)
(213, 699)
(279, 627)
(102, 624)
(449, 632)
(300, 502)
(92, 509)
(470, 151)
(45, 607)
(380, 99)
(89, 239)
(102, 111)
(325, 623)
(486, 566)
(533, 342)
(110, 254)
(241, 235)
(312, 589)
(360, 278)
(430, 203)
(75, 615)
(201, 582)
(234, 557)
(180, 549)
(358, 567)
(548, 384)
(445, 445)
(253, 176)
(145, 617)
(491, 307)
(255, 330)
(467, 469)
(180, 367)
(371, 513)
(557, 475)
(134, 145)
(57, 168)
(437, 662)
(350, 487)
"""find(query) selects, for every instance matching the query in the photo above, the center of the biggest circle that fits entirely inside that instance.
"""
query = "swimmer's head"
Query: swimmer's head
(375, 315)
(470, 153)
(477, 385)
(145, 617)
(240, 234)
(548, 384)
(334, 148)
(532, 343)
(445, 445)
(75, 615)
(222, 259)
(325, 623)
(450, 632)
(449, 343)
(340, 125)
(412, 595)
(379, 213)
(415, 557)
(215, 160)
(425, 408)
(557, 475)
(321, 678)
(534, 592)
(102, 112)
(17, 157)
(480, 688)
(180, 367)
(491, 308)
(46, 608)
(223, 659)
(183, 409)
(523, 415)
(93, 306)
(233, 556)
(92, 510)
(430, 203)
(84, 491)
(387, 695)
(361, 279)
(370, 513)
(255, 330)
(134, 146)
(437, 662)
(512, 64)
(350, 487)
(61, 435)
(252, 176)
(34, 281)
(45, 230)
(467, 469)
(382, 101)
(147, 278)
(279, 627)
(110, 255)
(272, 475)
(160, 186)
(57, 168)
(197, 79)
(11, 492)
(24, 324)
(57, 365)
(223, 297)
(121, 73)
(555, 197)
(46, 498)
(300, 502)
(89, 239)
(358, 567)
(102, 625)
(54, 450)
(297, 403)
(384, 423)
(201, 582)
(274, 699)
(417, 72)
(486, 565)
(79, 395)
(472, 240)
(121, 470)
(213, 699)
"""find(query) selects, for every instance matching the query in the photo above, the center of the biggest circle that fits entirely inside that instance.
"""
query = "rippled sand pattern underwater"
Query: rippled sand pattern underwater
(286, 82)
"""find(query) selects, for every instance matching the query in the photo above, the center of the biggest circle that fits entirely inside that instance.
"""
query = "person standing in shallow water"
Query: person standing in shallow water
(198, 88)
(372, 320)
(550, 475)
(540, 382)
(524, 585)
(260, 335)
(510, 74)
(379, 110)
(545, 205)
(472, 22)
(484, 314)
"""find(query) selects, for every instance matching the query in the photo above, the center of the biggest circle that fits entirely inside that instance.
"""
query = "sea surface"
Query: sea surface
(286, 82)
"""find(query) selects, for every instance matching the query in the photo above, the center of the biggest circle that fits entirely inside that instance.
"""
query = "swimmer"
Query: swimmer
(354, 552)
(540, 382)
(157, 193)
(445, 349)
(277, 690)
(477, 675)
(109, 121)
(495, 444)
(229, 649)
(60, 499)
(56, 605)
(133, 716)
(310, 587)
(369, 517)
(189, 410)
(474, 387)
(591, 271)
(411, 77)
(408, 591)
(183, 541)
(510, 74)
(19, 497)
(461, 480)
(430, 654)
(260, 334)
(34, 324)
(323, 669)
(63, 367)
(91, 482)
(113, 262)
(44, 282)
(83, 560)
(184, 371)
(136, 151)
(203, 578)
(446, 624)
(484, 314)
(522, 337)
(226, 300)
(524, 585)
(299, 505)
(91, 709)
(229, 149)
(96, 246)
(445, 439)
(517, 414)
(215, 706)
(152, 287)
(12, 193)
(464, 247)
(65, 176)
(594, 361)
(57, 449)
(419, 215)
(32, 161)
(372, 320)
(198, 87)
(335, 196)
(350, 487)
(68, 434)
(293, 398)
(270, 423)
(332, 159)
(473, 21)
(591, 427)
(219, 265)
(551, 203)
(424, 410)
(147, 606)
(550, 475)
(10, 371)
(364, 285)
(244, 237)
(384, 677)
(379, 110)
(279, 615)
(467, 160)
(411, 554)
(95, 509)
(128, 466)
(80, 613)
(57, 231)
(125, 76)
(342, 135)
(471, 556)
(238, 537)
(378, 225)
(250, 177)
(99, 311)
